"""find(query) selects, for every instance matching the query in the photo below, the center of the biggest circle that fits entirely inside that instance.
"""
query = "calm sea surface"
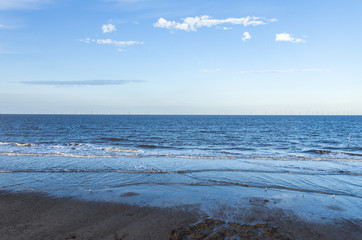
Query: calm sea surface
(190, 158)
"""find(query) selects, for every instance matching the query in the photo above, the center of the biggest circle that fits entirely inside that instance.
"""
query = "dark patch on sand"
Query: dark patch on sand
(210, 229)
(335, 208)
(129, 194)
(258, 201)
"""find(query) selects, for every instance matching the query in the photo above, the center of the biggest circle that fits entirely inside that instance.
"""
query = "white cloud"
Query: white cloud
(111, 42)
(86, 40)
(22, 4)
(286, 37)
(246, 36)
(116, 43)
(194, 23)
(285, 71)
(108, 28)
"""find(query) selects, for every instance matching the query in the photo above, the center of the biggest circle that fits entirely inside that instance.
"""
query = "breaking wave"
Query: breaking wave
(317, 151)
(136, 153)
(113, 149)
(151, 146)
(329, 172)
(17, 144)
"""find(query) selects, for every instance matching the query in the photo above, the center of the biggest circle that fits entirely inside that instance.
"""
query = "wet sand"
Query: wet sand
(36, 216)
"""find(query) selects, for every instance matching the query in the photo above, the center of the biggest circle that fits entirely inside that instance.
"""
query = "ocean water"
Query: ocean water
(308, 164)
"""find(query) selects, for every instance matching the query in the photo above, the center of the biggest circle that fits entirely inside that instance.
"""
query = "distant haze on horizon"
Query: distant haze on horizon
(181, 57)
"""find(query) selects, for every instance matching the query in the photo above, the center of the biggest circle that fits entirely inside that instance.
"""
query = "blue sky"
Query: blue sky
(180, 57)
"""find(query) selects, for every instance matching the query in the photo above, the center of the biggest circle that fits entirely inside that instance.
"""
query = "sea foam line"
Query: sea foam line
(17, 144)
(177, 156)
(327, 172)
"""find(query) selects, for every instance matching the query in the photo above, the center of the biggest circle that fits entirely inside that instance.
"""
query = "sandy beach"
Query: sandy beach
(36, 216)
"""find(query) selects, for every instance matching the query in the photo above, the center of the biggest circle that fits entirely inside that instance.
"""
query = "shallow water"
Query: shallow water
(301, 163)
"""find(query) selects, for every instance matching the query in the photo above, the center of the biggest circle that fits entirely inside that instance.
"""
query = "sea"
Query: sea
(311, 165)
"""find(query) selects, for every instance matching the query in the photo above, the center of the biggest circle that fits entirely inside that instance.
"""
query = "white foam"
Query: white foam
(123, 150)
(17, 144)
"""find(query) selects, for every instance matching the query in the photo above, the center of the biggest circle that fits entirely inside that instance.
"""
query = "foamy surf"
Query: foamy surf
(17, 144)
(136, 153)
(113, 149)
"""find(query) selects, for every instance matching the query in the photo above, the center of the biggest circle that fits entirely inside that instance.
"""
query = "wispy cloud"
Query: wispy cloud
(211, 70)
(116, 43)
(4, 26)
(284, 71)
(286, 37)
(111, 42)
(22, 4)
(194, 23)
(82, 83)
(108, 28)
(246, 36)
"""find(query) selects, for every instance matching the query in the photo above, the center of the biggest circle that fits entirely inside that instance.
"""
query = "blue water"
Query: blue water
(175, 160)
(213, 136)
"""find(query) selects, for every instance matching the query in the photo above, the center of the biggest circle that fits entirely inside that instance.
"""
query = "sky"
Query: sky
(181, 57)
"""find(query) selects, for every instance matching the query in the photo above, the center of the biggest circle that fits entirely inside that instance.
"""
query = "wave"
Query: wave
(56, 155)
(114, 156)
(113, 139)
(305, 158)
(208, 131)
(17, 144)
(242, 148)
(152, 146)
(328, 172)
(33, 144)
(72, 144)
(317, 151)
(131, 153)
(112, 149)
(198, 156)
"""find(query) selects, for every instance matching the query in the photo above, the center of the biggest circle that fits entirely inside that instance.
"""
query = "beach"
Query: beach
(37, 216)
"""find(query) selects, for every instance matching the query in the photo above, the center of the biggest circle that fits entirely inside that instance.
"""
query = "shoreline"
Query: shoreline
(39, 216)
